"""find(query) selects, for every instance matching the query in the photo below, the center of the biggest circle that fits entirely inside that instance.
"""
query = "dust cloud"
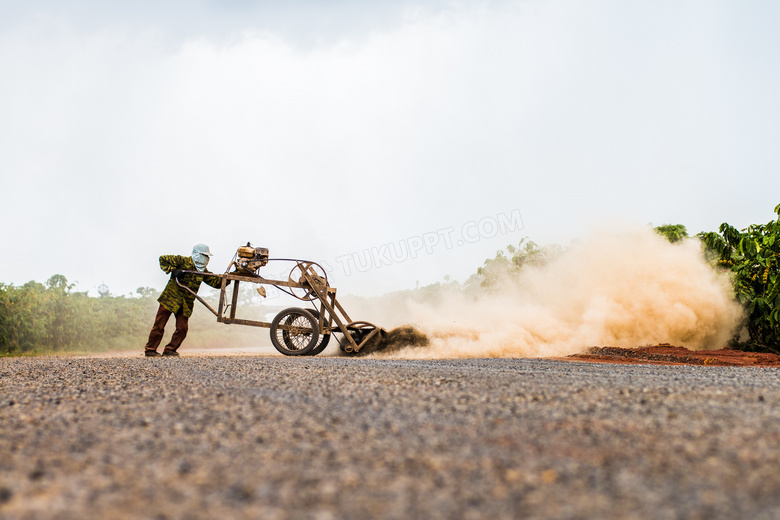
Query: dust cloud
(622, 288)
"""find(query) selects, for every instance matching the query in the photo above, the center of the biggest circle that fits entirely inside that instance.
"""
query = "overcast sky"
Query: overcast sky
(417, 137)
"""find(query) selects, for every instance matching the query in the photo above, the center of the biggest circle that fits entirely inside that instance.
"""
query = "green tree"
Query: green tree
(752, 255)
(508, 264)
(672, 232)
(52, 317)
(147, 292)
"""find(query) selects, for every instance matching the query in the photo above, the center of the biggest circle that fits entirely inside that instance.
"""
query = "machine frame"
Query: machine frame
(294, 331)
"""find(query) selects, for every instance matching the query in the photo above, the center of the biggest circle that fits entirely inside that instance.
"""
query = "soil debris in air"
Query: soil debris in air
(399, 338)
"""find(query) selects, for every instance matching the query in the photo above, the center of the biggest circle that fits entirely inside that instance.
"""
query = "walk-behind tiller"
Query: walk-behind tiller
(294, 331)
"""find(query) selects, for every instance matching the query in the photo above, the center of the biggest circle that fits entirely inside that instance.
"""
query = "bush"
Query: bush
(52, 318)
(752, 256)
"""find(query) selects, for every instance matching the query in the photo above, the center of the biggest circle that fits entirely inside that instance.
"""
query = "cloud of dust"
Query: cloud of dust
(622, 288)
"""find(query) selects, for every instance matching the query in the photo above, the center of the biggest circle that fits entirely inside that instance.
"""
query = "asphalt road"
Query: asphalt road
(332, 438)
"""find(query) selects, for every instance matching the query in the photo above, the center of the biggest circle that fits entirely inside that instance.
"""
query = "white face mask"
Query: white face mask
(201, 261)
(200, 255)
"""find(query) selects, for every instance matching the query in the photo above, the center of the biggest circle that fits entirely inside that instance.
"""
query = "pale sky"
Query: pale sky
(322, 130)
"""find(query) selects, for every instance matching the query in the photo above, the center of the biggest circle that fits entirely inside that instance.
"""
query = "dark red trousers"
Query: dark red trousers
(158, 329)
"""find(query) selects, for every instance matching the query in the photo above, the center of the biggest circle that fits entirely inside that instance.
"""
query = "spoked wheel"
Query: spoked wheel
(295, 332)
(324, 338)
(306, 292)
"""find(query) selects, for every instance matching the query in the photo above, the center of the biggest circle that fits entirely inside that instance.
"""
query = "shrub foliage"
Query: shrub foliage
(51, 317)
(752, 256)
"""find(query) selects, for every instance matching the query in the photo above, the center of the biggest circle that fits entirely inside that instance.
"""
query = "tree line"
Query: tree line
(52, 317)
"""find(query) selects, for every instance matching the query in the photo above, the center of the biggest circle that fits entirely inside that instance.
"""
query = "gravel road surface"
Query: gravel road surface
(329, 438)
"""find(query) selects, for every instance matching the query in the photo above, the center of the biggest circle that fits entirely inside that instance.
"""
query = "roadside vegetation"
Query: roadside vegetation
(48, 318)
(51, 317)
(752, 256)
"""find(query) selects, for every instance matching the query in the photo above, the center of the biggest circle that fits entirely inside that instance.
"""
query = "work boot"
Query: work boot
(172, 353)
(151, 353)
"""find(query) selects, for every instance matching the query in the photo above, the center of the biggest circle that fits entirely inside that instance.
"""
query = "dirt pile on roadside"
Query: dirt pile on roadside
(666, 354)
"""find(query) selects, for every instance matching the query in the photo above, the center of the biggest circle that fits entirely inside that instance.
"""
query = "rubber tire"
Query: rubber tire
(324, 338)
(280, 338)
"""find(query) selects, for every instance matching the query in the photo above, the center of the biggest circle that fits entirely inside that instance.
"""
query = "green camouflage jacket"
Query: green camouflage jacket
(174, 297)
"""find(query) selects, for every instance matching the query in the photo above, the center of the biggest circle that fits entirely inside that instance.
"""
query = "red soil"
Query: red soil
(666, 354)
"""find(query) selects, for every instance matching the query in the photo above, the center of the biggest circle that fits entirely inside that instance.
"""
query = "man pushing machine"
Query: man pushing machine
(175, 300)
